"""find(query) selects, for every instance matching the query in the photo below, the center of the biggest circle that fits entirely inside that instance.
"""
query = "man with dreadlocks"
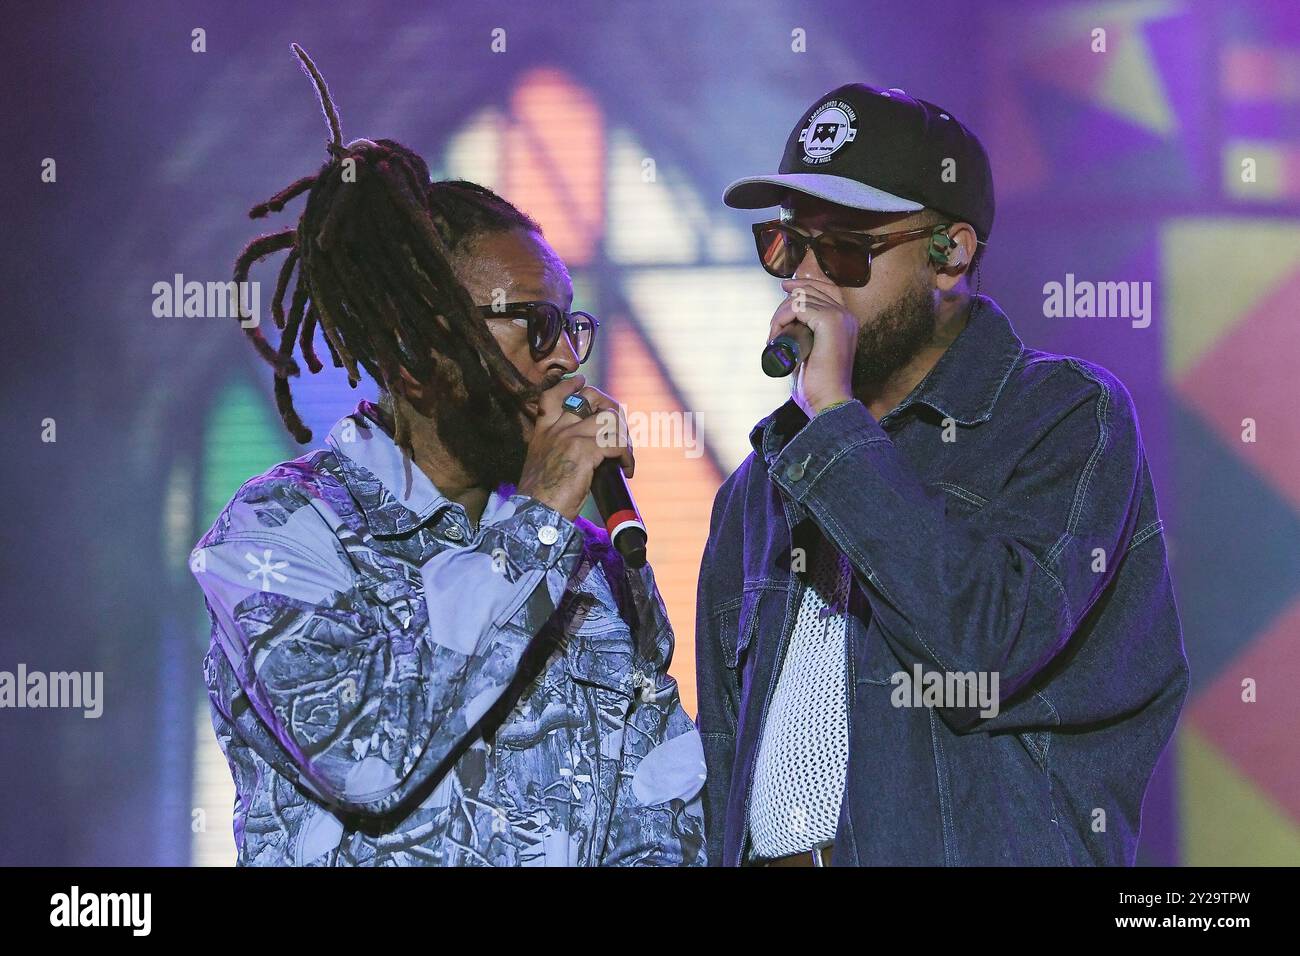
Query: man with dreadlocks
(420, 654)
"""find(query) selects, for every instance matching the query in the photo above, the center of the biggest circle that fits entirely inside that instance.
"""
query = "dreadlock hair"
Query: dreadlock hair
(373, 253)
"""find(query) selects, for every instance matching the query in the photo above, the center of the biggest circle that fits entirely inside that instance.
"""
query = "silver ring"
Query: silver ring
(578, 405)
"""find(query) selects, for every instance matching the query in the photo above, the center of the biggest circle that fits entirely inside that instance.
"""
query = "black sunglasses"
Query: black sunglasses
(546, 321)
(845, 257)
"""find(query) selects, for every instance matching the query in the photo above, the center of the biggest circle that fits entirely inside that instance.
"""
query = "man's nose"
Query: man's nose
(563, 358)
(809, 267)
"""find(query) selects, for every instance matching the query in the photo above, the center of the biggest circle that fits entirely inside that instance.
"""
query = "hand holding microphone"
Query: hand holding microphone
(575, 449)
(787, 350)
(610, 492)
(814, 336)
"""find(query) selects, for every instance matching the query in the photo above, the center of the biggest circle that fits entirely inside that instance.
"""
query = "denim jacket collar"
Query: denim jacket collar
(963, 385)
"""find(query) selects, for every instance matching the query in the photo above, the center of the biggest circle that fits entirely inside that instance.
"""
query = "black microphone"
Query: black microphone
(784, 353)
(614, 500)
(616, 507)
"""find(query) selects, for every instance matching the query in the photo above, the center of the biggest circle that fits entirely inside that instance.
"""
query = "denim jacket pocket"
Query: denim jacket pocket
(735, 622)
(747, 618)
(960, 501)
(724, 623)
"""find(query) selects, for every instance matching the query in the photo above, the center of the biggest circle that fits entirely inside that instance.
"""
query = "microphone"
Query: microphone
(787, 350)
(616, 507)
(614, 501)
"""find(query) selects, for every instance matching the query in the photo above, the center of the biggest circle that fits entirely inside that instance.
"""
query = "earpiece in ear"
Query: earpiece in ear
(940, 245)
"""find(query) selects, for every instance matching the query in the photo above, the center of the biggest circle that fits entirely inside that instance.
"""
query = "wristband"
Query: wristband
(847, 401)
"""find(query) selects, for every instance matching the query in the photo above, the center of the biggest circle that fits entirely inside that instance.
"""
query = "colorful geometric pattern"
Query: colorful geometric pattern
(1167, 114)
(1154, 130)
(1259, 82)
(1231, 344)
(1062, 95)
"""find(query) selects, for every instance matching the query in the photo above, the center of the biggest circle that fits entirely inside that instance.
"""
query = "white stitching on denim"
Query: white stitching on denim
(1057, 547)
(1051, 800)
(997, 394)
(837, 456)
(960, 492)
(721, 618)
(1032, 744)
(1150, 531)
(1085, 477)
(1055, 715)
(1065, 598)
(945, 795)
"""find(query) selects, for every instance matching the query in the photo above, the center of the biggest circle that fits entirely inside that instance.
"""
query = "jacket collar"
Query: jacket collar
(966, 382)
(394, 494)
(963, 385)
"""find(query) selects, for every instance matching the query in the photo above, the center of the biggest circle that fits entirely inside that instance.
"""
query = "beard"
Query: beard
(894, 338)
(488, 443)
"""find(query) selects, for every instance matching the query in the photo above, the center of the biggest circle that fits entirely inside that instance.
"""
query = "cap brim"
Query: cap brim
(759, 192)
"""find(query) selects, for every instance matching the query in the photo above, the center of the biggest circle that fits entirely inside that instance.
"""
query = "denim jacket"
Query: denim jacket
(392, 687)
(999, 521)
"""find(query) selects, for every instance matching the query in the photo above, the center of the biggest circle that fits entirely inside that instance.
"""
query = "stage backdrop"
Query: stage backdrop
(1164, 149)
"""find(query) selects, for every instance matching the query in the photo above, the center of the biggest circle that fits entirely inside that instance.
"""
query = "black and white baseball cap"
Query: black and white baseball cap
(882, 150)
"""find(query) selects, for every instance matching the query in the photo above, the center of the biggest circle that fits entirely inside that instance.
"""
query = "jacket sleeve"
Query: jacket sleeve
(367, 689)
(1001, 591)
(716, 684)
(658, 814)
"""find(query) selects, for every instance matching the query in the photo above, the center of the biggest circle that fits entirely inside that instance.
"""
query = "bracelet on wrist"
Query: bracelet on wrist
(823, 411)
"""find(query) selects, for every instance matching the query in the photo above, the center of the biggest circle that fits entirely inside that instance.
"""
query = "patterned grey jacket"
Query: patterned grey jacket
(392, 687)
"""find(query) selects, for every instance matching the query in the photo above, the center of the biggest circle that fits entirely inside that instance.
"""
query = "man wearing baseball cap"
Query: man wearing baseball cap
(935, 619)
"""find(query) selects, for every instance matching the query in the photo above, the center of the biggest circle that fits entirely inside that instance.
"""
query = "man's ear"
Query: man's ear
(960, 254)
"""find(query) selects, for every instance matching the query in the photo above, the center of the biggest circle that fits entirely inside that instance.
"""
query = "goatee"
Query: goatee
(894, 339)
(487, 442)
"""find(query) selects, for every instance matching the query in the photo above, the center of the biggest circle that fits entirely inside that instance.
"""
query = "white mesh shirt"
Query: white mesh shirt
(803, 756)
